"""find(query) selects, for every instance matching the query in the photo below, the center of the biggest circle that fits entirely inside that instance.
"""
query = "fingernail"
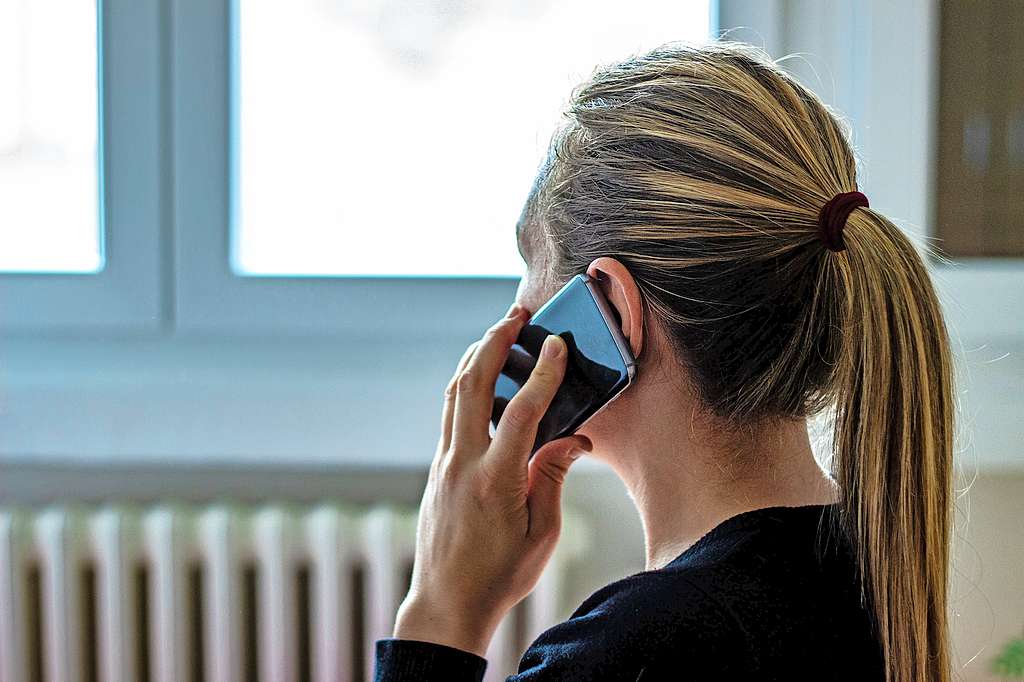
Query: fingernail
(552, 347)
(514, 311)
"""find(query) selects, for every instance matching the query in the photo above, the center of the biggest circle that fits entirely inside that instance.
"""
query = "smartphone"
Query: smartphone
(599, 367)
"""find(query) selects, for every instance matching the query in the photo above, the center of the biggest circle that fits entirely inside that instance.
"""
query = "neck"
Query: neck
(684, 480)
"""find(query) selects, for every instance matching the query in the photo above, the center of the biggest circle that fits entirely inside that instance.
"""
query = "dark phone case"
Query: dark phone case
(598, 368)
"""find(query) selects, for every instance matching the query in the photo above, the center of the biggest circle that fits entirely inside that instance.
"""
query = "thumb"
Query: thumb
(547, 472)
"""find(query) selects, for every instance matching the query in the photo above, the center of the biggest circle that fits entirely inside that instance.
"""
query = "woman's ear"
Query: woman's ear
(623, 295)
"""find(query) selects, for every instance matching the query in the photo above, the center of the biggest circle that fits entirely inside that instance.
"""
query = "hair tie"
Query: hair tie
(833, 215)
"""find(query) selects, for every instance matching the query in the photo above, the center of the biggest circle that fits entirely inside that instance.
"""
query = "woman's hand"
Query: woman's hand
(490, 516)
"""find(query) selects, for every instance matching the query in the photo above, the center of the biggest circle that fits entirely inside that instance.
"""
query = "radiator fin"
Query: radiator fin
(222, 593)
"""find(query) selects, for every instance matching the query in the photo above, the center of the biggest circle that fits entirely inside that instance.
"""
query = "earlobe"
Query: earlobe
(619, 287)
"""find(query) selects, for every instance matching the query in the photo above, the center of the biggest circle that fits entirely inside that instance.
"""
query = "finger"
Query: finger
(547, 473)
(518, 426)
(474, 388)
(514, 373)
(520, 363)
(449, 398)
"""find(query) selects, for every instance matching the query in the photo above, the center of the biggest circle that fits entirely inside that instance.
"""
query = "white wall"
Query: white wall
(987, 594)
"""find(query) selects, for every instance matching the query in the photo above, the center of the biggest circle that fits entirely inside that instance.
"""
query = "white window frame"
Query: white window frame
(126, 294)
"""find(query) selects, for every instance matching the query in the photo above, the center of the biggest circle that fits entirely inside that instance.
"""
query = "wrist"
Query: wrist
(428, 621)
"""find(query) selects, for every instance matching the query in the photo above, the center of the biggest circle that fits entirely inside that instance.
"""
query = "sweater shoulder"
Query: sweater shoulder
(619, 629)
(682, 593)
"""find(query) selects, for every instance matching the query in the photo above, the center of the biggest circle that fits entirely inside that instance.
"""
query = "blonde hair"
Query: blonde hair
(703, 170)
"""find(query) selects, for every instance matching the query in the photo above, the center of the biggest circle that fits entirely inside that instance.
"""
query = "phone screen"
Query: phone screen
(598, 368)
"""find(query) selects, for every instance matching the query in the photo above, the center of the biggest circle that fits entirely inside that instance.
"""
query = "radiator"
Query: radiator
(222, 593)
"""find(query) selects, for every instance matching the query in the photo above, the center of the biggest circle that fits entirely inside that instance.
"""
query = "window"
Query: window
(383, 139)
(209, 334)
(49, 161)
(82, 166)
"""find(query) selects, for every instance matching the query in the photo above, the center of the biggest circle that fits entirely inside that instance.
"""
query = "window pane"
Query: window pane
(402, 138)
(49, 203)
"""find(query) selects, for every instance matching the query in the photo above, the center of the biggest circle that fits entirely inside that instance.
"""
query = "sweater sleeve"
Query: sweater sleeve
(410, 660)
(616, 634)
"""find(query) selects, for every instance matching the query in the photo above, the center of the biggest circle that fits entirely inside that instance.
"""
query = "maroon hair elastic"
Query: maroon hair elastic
(833, 215)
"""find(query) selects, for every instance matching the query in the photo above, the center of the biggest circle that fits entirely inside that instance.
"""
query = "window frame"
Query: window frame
(126, 294)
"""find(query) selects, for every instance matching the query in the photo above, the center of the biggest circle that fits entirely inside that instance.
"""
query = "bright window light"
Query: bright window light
(49, 203)
(400, 138)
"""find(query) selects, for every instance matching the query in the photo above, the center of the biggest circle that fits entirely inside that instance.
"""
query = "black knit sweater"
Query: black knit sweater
(769, 594)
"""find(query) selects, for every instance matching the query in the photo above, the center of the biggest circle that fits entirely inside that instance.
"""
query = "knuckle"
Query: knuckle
(449, 390)
(511, 327)
(555, 471)
(447, 473)
(545, 374)
(521, 413)
(499, 332)
(467, 381)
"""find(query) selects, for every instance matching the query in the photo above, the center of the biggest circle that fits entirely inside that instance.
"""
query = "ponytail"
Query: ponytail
(721, 183)
(894, 442)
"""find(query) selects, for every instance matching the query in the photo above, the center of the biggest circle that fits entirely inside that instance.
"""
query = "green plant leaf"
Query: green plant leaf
(1010, 662)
